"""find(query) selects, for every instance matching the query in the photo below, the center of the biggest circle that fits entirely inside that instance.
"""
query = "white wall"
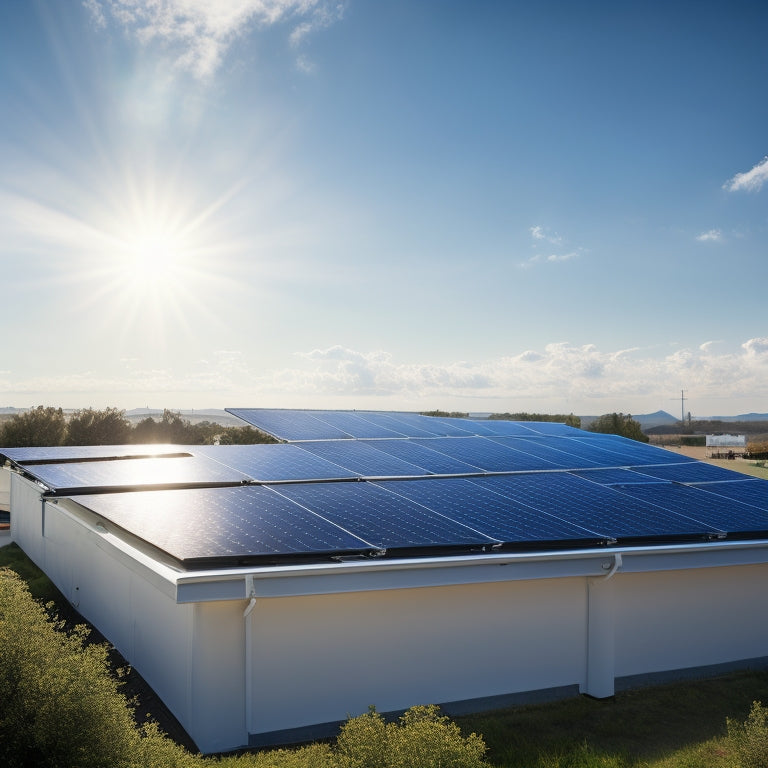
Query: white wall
(678, 619)
(321, 658)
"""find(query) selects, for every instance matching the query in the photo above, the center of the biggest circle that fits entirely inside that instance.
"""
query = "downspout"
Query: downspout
(250, 592)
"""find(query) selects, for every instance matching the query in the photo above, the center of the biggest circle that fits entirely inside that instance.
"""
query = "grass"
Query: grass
(681, 725)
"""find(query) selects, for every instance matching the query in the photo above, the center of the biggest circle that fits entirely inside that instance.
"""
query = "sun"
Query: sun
(155, 254)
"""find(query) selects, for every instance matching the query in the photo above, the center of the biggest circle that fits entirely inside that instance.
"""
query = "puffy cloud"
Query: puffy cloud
(561, 377)
(712, 235)
(199, 32)
(751, 180)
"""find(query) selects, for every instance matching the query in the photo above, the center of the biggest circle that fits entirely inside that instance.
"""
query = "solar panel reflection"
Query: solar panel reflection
(470, 504)
(361, 458)
(280, 461)
(117, 473)
(222, 523)
(385, 519)
(599, 508)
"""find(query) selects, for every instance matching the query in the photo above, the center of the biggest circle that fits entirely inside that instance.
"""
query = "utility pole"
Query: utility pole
(682, 407)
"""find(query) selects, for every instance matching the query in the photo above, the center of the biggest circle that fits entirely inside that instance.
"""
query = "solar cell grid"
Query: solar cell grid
(289, 425)
(599, 508)
(691, 472)
(547, 449)
(712, 510)
(278, 461)
(432, 461)
(73, 452)
(384, 519)
(117, 473)
(355, 425)
(752, 491)
(487, 454)
(497, 517)
(361, 458)
(222, 523)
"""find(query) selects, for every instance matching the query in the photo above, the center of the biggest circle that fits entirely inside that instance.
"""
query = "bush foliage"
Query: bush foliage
(61, 705)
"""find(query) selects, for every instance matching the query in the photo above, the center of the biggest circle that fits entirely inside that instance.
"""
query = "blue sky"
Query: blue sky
(487, 206)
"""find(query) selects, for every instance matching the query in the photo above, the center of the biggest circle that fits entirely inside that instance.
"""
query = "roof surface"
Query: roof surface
(379, 484)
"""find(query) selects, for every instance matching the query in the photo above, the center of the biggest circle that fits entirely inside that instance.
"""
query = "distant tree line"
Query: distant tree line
(619, 424)
(560, 418)
(47, 426)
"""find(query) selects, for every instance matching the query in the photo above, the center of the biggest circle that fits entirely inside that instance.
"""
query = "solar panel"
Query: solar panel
(25, 455)
(486, 454)
(751, 491)
(598, 508)
(288, 424)
(692, 472)
(470, 504)
(244, 523)
(432, 461)
(619, 451)
(615, 476)
(548, 449)
(274, 462)
(387, 520)
(131, 473)
(403, 424)
(711, 509)
(354, 424)
(361, 458)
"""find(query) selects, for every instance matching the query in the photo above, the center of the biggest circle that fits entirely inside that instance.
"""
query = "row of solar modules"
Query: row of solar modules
(431, 516)
(66, 469)
(299, 425)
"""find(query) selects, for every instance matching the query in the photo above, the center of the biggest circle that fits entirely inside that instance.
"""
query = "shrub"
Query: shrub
(421, 739)
(749, 740)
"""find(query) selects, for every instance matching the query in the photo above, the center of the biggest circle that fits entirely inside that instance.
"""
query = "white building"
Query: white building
(246, 608)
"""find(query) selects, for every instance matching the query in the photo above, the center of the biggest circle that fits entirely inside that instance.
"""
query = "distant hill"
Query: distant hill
(646, 421)
(743, 417)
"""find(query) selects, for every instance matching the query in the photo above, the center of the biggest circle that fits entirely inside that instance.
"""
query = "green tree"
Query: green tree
(170, 429)
(619, 424)
(37, 426)
(90, 427)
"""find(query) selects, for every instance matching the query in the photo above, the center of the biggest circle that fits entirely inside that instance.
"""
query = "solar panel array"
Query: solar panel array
(381, 484)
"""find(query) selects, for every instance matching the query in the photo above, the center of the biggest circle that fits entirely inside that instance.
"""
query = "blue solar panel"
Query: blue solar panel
(116, 473)
(74, 452)
(552, 428)
(355, 424)
(619, 451)
(387, 520)
(711, 509)
(203, 525)
(692, 472)
(497, 517)
(599, 508)
(361, 458)
(403, 424)
(548, 449)
(614, 476)
(273, 462)
(432, 461)
(417, 425)
(487, 454)
(752, 491)
(502, 428)
(289, 425)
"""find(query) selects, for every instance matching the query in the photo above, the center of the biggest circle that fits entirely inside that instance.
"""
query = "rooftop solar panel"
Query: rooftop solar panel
(288, 424)
(202, 526)
(691, 472)
(361, 458)
(599, 508)
(718, 512)
(487, 454)
(495, 516)
(355, 424)
(549, 449)
(387, 520)
(753, 492)
(61, 453)
(432, 461)
(132, 473)
(619, 451)
(275, 462)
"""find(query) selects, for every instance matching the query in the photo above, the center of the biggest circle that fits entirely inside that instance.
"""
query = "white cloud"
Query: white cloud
(560, 377)
(751, 180)
(539, 233)
(198, 33)
(712, 235)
